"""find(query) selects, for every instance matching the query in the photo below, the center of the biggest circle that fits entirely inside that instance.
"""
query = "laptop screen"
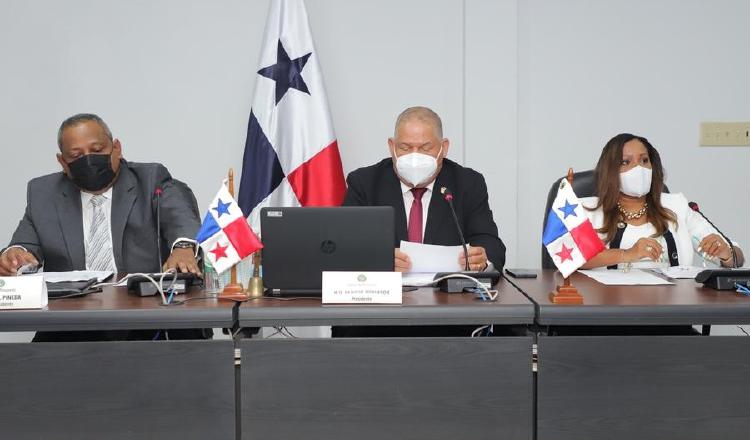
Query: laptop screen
(300, 243)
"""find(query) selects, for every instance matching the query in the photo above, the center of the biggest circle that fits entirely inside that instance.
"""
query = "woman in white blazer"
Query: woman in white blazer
(641, 225)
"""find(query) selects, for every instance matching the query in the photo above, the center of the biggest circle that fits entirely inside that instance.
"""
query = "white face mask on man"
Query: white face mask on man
(417, 168)
(636, 182)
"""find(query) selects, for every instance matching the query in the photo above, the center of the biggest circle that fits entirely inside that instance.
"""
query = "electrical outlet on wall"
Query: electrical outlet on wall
(725, 134)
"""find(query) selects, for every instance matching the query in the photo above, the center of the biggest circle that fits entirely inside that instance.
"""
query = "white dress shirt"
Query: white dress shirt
(87, 211)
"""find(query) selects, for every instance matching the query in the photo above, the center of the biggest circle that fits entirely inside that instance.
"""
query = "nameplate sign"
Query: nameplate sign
(362, 288)
(23, 292)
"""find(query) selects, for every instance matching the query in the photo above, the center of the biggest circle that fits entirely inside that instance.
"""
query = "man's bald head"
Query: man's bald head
(422, 114)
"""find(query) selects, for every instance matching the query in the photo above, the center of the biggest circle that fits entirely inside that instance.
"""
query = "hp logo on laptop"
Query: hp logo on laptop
(327, 247)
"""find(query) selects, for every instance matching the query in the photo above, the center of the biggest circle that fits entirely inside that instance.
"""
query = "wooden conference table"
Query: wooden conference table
(640, 387)
(436, 387)
(613, 386)
(380, 388)
(122, 389)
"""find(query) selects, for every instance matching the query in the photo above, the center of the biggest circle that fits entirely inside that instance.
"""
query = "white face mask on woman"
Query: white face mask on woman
(417, 168)
(636, 182)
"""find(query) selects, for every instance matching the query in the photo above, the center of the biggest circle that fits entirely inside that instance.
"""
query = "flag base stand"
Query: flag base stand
(234, 291)
(566, 294)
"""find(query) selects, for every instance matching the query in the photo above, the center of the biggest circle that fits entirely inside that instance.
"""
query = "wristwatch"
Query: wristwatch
(184, 245)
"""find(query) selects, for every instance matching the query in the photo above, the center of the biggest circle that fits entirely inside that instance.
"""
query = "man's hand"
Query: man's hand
(477, 259)
(182, 260)
(402, 262)
(14, 258)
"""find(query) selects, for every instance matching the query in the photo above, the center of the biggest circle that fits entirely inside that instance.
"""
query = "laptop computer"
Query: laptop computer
(300, 243)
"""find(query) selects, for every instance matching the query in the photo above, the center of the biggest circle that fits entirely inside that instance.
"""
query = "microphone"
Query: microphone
(694, 207)
(448, 196)
(157, 193)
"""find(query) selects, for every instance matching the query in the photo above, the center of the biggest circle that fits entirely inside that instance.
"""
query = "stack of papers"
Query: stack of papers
(427, 260)
(634, 277)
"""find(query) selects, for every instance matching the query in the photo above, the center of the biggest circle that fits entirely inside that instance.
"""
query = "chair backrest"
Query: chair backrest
(584, 185)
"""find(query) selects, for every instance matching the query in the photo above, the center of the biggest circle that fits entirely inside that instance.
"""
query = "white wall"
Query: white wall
(589, 69)
(526, 88)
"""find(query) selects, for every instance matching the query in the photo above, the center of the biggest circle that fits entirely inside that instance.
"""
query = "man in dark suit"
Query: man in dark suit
(411, 181)
(52, 231)
(100, 212)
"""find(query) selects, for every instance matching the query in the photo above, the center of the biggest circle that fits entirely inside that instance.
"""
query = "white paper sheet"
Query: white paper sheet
(417, 278)
(682, 272)
(75, 275)
(634, 277)
(432, 258)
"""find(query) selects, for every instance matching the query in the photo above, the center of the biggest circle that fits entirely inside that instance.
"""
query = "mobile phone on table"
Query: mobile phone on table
(521, 273)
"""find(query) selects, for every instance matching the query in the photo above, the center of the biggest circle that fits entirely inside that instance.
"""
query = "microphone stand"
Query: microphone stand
(448, 196)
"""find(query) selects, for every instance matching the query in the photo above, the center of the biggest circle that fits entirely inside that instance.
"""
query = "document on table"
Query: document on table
(76, 275)
(417, 278)
(427, 260)
(430, 258)
(682, 272)
(634, 277)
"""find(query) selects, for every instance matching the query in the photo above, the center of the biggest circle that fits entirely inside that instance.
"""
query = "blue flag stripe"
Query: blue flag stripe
(554, 228)
(261, 169)
(208, 228)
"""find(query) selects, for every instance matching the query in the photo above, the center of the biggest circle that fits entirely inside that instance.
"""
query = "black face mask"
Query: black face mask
(92, 172)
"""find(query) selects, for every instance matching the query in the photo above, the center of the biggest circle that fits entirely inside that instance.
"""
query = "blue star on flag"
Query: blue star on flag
(222, 208)
(287, 73)
(568, 209)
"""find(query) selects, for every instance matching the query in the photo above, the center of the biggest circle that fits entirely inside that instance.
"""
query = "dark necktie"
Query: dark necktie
(415, 215)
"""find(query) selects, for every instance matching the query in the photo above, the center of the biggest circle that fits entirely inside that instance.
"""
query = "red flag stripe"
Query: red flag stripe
(587, 240)
(320, 180)
(243, 239)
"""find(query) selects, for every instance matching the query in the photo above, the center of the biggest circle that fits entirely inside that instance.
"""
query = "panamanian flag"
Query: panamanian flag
(225, 236)
(291, 155)
(568, 235)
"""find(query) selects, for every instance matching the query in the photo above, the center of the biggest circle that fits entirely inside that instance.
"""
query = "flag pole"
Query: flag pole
(233, 288)
(566, 293)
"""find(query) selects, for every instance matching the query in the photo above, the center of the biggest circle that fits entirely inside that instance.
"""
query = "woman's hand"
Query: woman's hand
(644, 248)
(715, 246)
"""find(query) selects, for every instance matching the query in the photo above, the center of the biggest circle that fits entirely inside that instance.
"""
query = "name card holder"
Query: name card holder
(362, 288)
(23, 292)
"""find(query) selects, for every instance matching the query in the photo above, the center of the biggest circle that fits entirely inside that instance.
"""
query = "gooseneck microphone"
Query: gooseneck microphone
(694, 207)
(448, 196)
(157, 193)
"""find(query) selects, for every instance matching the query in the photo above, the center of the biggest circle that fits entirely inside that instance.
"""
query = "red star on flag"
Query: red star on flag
(564, 254)
(219, 251)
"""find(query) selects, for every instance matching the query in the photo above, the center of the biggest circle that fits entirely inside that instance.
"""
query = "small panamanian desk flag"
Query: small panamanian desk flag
(225, 236)
(569, 237)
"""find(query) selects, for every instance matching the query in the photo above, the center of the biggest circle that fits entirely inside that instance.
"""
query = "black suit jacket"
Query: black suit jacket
(52, 226)
(378, 185)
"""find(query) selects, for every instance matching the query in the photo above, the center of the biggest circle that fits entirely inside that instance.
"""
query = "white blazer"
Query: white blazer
(689, 224)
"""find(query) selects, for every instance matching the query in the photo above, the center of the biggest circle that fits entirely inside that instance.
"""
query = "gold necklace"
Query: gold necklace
(631, 215)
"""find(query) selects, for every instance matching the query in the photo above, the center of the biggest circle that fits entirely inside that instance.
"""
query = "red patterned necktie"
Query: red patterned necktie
(415, 215)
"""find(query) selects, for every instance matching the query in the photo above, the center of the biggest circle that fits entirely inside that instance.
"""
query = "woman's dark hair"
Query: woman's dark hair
(607, 174)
